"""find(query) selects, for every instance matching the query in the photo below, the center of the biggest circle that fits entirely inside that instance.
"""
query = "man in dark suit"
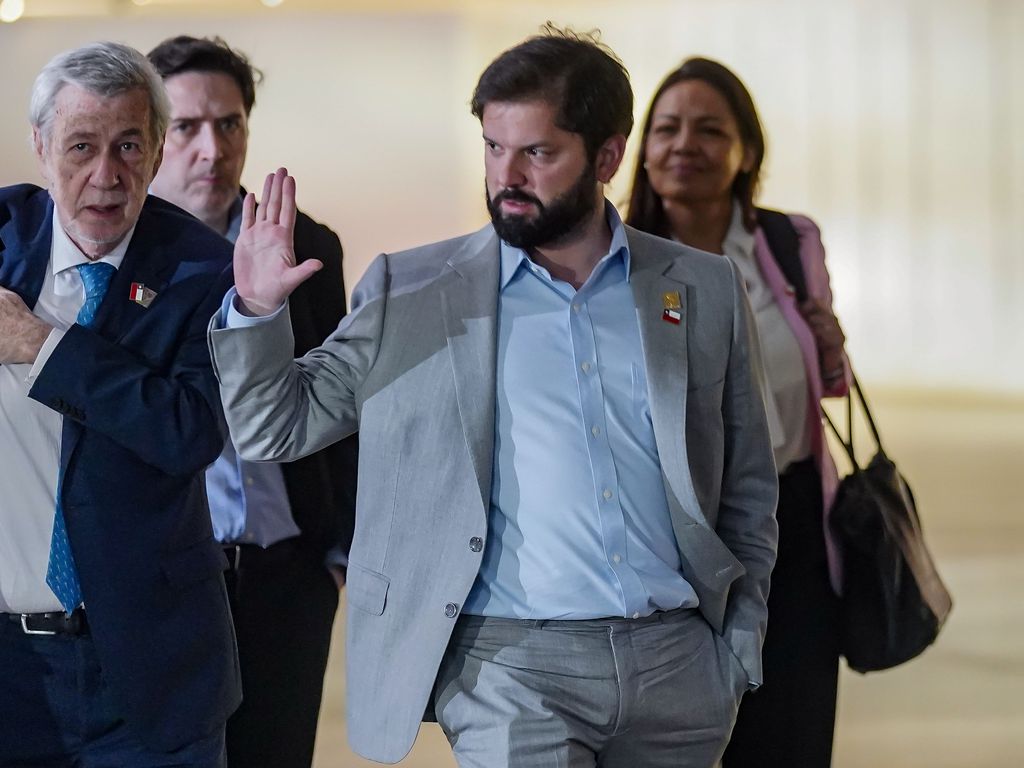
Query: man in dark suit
(287, 528)
(116, 645)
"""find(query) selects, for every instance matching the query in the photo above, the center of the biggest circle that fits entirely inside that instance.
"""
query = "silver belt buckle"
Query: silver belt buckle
(27, 631)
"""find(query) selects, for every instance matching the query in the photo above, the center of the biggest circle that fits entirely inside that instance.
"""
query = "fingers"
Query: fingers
(278, 200)
(248, 211)
(273, 202)
(268, 184)
(299, 274)
(288, 203)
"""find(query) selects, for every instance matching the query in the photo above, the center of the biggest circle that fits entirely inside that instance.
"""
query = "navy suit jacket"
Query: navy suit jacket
(142, 420)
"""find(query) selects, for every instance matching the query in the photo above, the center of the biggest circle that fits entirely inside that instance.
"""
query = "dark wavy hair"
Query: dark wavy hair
(573, 72)
(646, 211)
(207, 54)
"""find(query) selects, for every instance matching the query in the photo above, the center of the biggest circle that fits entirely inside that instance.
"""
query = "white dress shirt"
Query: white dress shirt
(30, 433)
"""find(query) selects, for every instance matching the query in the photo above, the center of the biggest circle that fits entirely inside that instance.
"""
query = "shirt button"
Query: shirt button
(585, 367)
(607, 494)
(636, 614)
(576, 308)
(476, 544)
(450, 610)
(595, 431)
(249, 481)
(617, 558)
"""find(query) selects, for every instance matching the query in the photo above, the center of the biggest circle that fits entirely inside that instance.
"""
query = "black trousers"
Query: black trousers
(283, 601)
(790, 720)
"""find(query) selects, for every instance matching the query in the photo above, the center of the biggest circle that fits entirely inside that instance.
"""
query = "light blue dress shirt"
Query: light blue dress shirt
(248, 500)
(578, 524)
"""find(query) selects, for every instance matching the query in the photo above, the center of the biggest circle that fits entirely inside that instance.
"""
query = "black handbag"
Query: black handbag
(893, 602)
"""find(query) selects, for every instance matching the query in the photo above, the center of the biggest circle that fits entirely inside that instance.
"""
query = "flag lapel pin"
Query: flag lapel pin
(140, 294)
(673, 307)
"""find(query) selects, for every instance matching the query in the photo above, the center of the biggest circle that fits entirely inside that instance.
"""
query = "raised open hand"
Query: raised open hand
(265, 268)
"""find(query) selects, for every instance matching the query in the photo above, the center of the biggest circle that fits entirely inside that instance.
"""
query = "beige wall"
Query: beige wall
(895, 123)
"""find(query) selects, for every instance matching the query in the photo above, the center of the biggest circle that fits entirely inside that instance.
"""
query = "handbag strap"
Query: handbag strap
(784, 243)
(847, 441)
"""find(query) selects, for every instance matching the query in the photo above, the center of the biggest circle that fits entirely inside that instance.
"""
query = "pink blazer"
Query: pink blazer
(812, 256)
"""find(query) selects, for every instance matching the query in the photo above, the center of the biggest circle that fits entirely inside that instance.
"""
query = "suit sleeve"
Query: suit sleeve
(322, 486)
(167, 415)
(279, 408)
(746, 518)
(812, 258)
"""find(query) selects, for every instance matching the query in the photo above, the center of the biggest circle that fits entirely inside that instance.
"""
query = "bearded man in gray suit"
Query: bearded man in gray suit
(565, 516)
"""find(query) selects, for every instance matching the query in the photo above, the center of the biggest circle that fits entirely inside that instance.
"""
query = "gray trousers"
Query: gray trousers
(617, 693)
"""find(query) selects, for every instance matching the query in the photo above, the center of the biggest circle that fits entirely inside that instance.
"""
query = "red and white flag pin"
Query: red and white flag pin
(673, 312)
(140, 294)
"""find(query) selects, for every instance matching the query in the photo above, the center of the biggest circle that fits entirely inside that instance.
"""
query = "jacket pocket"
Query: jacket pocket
(367, 590)
(198, 562)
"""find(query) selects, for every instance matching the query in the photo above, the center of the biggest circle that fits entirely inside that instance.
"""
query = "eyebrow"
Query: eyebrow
(534, 145)
(675, 116)
(200, 118)
(88, 135)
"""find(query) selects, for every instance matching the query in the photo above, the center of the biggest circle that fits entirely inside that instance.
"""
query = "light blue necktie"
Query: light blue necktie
(61, 575)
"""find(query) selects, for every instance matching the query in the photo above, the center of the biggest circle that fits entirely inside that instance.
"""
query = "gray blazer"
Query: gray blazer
(412, 368)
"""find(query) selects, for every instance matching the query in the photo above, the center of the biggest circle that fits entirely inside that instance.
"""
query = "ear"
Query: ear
(609, 157)
(159, 159)
(748, 160)
(39, 147)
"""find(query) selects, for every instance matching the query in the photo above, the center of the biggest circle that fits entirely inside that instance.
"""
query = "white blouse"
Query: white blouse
(787, 394)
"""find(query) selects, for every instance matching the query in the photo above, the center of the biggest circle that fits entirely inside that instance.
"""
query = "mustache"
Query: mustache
(516, 196)
(106, 202)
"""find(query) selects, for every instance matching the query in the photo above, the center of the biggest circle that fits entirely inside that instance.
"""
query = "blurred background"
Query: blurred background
(898, 125)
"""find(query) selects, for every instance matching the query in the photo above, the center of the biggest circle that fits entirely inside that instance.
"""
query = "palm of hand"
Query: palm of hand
(264, 255)
(266, 271)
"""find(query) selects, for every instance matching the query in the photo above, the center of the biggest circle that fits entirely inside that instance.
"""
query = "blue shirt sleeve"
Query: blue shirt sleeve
(231, 317)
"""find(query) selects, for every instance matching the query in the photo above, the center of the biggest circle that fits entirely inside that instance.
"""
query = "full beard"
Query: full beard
(554, 222)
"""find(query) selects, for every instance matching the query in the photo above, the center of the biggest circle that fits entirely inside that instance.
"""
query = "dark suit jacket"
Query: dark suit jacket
(141, 422)
(322, 486)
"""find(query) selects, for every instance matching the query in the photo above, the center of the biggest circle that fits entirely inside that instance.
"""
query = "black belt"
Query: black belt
(58, 623)
(255, 556)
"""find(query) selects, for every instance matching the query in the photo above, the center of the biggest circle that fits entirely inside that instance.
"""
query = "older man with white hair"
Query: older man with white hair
(116, 647)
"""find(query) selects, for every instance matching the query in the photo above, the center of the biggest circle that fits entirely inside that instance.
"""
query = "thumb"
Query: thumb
(300, 273)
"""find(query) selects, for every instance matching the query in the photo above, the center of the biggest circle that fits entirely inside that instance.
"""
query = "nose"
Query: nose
(107, 173)
(508, 171)
(211, 143)
(685, 138)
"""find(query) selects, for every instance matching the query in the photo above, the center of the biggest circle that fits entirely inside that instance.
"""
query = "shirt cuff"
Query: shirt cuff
(337, 557)
(44, 354)
(231, 317)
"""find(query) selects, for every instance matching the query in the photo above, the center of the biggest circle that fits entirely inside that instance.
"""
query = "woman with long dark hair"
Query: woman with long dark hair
(696, 181)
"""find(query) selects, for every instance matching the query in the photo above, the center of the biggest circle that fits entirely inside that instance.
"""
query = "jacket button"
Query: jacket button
(450, 610)
(476, 544)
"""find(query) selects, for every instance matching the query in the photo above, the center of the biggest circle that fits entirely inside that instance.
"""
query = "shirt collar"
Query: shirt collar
(64, 254)
(513, 259)
(739, 242)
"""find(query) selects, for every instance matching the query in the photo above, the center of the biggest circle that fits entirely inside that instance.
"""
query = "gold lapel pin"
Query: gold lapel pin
(673, 307)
